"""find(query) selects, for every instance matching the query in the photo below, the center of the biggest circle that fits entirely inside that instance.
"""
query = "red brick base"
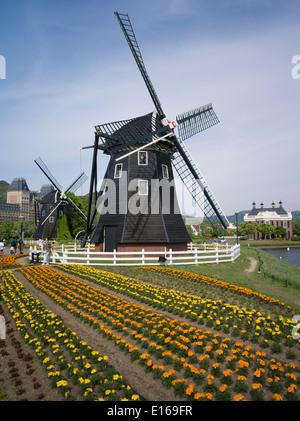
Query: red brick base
(146, 247)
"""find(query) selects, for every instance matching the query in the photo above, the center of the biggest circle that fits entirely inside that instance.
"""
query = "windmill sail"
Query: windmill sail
(126, 26)
(78, 182)
(195, 121)
(40, 163)
(197, 186)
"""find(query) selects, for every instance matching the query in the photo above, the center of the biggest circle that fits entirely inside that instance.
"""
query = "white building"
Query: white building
(275, 216)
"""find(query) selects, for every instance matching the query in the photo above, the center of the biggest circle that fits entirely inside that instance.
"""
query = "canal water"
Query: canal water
(291, 255)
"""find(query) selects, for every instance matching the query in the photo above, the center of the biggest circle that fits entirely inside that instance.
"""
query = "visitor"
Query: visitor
(41, 243)
(13, 245)
(47, 248)
(21, 246)
(1, 246)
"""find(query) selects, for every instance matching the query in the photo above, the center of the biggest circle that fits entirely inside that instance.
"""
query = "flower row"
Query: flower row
(206, 279)
(196, 363)
(71, 365)
(272, 332)
(11, 261)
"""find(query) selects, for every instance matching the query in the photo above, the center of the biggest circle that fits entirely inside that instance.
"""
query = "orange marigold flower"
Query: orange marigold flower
(257, 373)
(277, 397)
(238, 397)
(223, 388)
(190, 389)
(292, 388)
(256, 386)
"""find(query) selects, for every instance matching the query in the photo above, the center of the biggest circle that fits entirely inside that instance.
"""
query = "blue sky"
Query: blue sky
(68, 68)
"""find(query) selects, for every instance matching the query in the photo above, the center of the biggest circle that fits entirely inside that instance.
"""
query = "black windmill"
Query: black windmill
(137, 201)
(53, 205)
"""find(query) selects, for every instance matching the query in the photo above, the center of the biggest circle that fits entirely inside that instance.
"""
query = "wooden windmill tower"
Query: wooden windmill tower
(137, 200)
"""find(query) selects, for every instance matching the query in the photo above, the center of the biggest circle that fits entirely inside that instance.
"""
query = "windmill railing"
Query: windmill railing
(196, 254)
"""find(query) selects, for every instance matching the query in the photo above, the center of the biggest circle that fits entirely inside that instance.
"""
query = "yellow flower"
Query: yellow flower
(61, 383)
(135, 397)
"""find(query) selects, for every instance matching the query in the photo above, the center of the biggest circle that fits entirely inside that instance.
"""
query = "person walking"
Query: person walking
(21, 246)
(14, 245)
(47, 249)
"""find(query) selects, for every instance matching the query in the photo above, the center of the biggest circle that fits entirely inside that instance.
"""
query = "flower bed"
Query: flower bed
(197, 363)
(271, 331)
(71, 365)
(11, 261)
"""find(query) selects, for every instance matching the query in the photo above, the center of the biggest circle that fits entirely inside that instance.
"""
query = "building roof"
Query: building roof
(18, 184)
(279, 211)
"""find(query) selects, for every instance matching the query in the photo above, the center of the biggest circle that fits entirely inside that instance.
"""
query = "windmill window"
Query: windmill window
(118, 170)
(143, 158)
(51, 219)
(143, 187)
(165, 171)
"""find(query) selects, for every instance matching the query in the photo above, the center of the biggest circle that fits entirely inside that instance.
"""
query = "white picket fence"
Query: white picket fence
(196, 254)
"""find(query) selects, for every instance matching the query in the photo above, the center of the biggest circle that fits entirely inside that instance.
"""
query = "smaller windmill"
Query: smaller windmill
(54, 203)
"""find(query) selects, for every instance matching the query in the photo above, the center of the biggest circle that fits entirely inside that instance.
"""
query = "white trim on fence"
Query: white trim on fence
(196, 254)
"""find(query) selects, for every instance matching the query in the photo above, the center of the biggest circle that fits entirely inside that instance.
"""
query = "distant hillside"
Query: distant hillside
(295, 215)
(240, 217)
(190, 220)
(3, 191)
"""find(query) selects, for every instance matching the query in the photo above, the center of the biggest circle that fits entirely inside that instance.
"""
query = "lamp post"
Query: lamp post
(21, 235)
(237, 227)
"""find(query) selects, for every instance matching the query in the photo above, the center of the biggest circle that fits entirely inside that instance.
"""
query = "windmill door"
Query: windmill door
(110, 237)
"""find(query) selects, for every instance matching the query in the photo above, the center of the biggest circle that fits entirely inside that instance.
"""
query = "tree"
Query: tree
(266, 229)
(63, 230)
(296, 227)
(7, 229)
(246, 228)
(280, 232)
(75, 222)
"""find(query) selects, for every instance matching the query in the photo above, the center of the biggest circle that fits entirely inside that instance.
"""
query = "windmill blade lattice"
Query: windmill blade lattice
(40, 163)
(78, 182)
(198, 187)
(195, 121)
(128, 31)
